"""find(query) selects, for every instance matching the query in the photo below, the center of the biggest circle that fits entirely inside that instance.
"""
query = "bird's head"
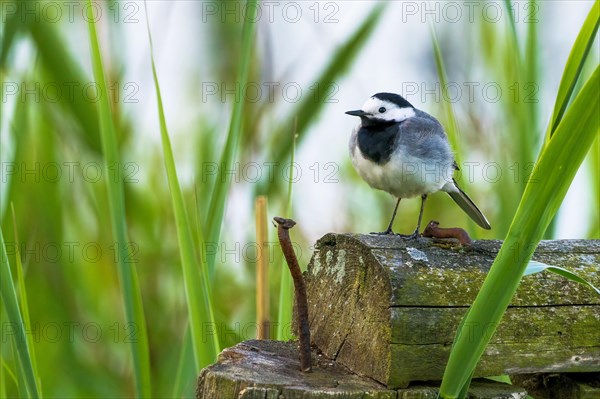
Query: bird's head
(384, 108)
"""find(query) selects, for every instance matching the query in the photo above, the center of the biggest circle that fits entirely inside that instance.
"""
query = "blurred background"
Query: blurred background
(493, 89)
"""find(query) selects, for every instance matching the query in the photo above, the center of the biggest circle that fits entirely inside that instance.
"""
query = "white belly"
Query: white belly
(403, 176)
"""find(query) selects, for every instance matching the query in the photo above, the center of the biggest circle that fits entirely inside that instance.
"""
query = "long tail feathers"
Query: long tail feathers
(466, 204)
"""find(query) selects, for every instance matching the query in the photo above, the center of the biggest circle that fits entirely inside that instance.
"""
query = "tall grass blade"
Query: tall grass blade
(12, 24)
(200, 309)
(2, 377)
(186, 368)
(451, 125)
(575, 64)
(524, 76)
(61, 67)
(23, 300)
(556, 167)
(286, 287)
(11, 305)
(134, 311)
(532, 71)
(20, 382)
(511, 16)
(218, 200)
(5, 367)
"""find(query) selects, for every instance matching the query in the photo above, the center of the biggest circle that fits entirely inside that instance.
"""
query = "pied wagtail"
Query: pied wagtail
(405, 152)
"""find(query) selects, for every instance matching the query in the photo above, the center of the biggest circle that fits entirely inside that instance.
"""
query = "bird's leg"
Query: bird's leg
(423, 199)
(416, 232)
(389, 229)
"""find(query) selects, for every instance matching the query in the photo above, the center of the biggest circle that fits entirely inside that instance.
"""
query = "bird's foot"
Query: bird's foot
(412, 236)
(388, 232)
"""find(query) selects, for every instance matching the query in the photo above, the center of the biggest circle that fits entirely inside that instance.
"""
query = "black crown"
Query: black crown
(394, 98)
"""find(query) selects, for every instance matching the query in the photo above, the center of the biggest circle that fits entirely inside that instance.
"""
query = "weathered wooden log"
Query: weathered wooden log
(560, 386)
(271, 370)
(388, 308)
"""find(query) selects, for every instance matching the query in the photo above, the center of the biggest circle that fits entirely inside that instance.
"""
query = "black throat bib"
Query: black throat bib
(376, 140)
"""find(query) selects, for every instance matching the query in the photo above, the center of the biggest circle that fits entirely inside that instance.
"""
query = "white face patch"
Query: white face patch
(392, 111)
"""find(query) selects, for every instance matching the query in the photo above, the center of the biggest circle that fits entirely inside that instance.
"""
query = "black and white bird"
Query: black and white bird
(405, 152)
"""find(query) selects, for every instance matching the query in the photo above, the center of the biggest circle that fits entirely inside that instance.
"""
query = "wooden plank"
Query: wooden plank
(388, 308)
(563, 386)
(556, 338)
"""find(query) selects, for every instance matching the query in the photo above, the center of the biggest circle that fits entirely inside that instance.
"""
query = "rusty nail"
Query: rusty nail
(283, 226)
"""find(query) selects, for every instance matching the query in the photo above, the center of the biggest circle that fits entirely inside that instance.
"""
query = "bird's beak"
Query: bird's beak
(358, 112)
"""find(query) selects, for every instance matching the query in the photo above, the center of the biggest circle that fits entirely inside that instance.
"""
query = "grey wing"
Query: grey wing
(428, 124)
(424, 137)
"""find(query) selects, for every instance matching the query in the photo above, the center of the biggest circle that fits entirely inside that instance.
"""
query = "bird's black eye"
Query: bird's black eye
(382, 110)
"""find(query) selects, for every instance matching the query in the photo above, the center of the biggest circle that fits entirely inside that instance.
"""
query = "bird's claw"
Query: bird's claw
(388, 232)
(412, 236)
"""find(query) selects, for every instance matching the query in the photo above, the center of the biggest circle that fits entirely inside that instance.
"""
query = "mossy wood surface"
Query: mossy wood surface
(560, 386)
(271, 370)
(388, 308)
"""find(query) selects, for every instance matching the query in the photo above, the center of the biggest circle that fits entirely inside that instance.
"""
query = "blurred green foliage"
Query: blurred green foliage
(79, 331)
